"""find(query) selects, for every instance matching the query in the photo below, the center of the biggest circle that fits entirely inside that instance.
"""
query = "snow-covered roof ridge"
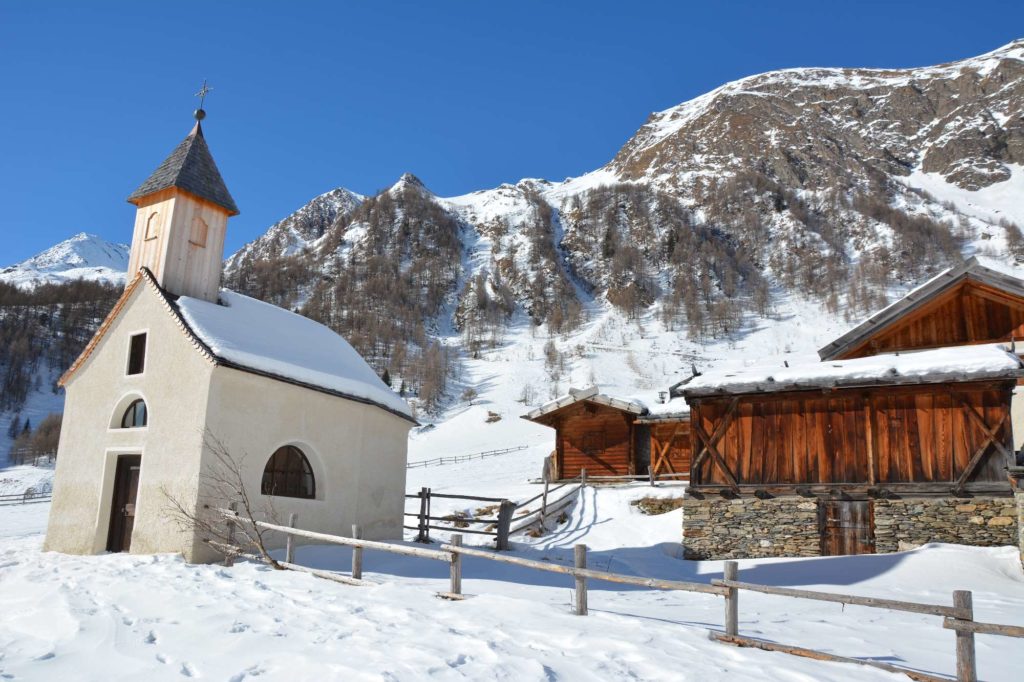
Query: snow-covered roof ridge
(979, 268)
(955, 363)
(257, 336)
(591, 394)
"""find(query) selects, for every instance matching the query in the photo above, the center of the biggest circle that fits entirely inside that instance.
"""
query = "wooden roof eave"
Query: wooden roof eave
(970, 270)
(545, 413)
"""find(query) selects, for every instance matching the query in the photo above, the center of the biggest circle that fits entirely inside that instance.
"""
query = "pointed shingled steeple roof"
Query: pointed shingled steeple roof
(189, 167)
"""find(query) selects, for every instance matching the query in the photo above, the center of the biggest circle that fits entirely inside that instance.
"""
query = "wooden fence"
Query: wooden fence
(504, 523)
(958, 617)
(30, 496)
(439, 461)
(34, 456)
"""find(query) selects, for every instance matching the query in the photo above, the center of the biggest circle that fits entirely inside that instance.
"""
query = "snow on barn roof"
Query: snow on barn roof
(591, 394)
(959, 363)
(984, 270)
(264, 338)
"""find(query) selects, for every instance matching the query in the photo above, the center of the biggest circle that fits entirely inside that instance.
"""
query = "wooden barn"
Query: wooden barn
(832, 454)
(615, 436)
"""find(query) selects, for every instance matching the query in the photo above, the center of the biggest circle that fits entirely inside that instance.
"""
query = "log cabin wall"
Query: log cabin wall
(966, 314)
(596, 437)
(958, 435)
(671, 447)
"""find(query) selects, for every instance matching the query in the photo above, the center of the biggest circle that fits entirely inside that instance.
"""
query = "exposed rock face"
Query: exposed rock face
(822, 128)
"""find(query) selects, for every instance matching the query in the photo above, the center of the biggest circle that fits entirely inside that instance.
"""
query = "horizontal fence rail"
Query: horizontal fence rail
(25, 498)
(958, 617)
(456, 459)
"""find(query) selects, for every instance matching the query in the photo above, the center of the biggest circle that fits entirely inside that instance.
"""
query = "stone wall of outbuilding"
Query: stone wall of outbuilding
(718, 528)
(980, 521)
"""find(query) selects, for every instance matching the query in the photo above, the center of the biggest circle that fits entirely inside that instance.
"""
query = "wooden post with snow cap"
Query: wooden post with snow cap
(966, 665)
(732, 606)
(580, 554)
(357, 554)
(289, 547)
(455, 568)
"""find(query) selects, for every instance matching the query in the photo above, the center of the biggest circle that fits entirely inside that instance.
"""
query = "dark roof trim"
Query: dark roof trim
(189, 167)
(971, 269)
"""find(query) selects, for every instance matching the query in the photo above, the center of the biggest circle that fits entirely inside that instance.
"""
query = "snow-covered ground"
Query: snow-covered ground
(121, 617)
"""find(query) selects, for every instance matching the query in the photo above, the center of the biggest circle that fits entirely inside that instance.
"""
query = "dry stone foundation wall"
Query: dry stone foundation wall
(717, 528)
(981, 521)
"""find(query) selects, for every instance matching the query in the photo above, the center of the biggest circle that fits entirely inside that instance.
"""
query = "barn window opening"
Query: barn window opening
(152, 226)
(288, 474)
(136, 416)
(197, 237)
(137, 354)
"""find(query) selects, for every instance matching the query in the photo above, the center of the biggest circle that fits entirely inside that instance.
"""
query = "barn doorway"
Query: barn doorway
(847, 527)
(122, 508)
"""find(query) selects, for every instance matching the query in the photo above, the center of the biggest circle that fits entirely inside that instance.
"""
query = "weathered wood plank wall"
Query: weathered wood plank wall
(880, 435)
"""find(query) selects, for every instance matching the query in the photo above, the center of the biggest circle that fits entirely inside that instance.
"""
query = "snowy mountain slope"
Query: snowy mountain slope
(83, 256)
(799, 197)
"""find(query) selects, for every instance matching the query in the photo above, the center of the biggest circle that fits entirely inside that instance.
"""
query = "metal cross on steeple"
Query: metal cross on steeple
(203, 91)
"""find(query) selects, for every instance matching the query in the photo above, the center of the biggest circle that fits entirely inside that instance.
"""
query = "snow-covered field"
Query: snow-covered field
(121, 617)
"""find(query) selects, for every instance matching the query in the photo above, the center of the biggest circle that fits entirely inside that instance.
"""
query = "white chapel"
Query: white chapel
(183, 373)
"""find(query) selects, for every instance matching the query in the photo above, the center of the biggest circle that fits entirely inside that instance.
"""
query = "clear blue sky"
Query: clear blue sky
(309, 96)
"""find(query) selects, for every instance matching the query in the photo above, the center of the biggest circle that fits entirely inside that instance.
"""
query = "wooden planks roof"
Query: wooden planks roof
(590, 394)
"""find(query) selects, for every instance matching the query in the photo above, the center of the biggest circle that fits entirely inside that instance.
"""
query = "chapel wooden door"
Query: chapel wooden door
(122, 508)
(847, 527)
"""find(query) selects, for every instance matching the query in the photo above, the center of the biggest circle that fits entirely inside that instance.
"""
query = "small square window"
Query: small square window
(137, 354)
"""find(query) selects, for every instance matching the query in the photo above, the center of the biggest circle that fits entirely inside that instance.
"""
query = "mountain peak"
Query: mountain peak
(81, 256)
(410, 180)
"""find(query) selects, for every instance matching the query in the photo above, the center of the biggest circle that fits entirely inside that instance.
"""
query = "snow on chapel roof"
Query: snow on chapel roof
(956, 363)
(258, 336)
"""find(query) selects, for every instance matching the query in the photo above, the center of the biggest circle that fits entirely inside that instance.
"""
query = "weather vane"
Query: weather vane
(203, 91)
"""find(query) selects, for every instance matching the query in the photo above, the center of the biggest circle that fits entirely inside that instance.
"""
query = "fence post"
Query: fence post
(544, 505)
(455, 569)
(966, 665)
(650, 474)
(289, 547)
(229, 559)
(505, 511)
(583, 478)
(580, 554)
(424, 532)
(357, 554)
(732, 606)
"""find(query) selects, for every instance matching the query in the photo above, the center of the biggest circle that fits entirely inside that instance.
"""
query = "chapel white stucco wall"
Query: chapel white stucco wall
(174, 385)
(357, 451)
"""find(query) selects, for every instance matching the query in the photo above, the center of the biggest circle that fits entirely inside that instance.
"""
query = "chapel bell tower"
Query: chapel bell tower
(183, 211)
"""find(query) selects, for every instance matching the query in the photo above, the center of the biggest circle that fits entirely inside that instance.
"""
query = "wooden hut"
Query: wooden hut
(610, 436)
(852, 456)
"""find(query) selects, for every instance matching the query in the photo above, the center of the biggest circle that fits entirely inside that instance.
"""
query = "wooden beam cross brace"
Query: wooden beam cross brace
(709, 445)
(991, 438)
